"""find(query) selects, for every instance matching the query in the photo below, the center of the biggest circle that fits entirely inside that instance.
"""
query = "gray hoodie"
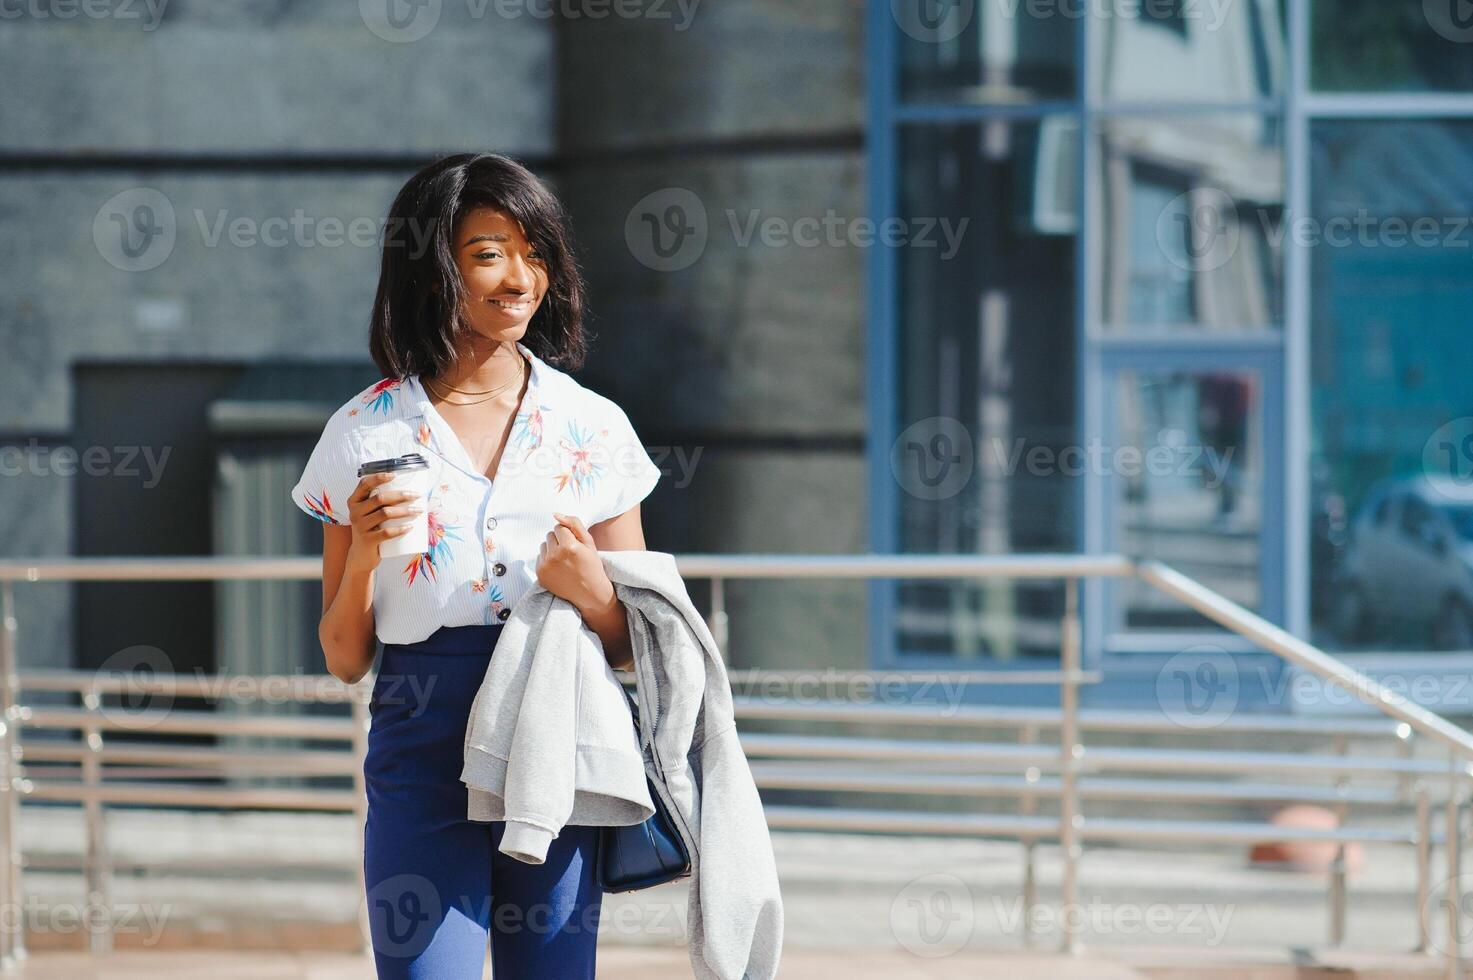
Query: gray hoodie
(691, 752)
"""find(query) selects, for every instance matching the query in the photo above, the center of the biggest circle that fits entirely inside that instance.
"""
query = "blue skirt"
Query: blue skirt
(438, 888)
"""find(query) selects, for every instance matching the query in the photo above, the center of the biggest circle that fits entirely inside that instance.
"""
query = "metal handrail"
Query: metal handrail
(1069, 757)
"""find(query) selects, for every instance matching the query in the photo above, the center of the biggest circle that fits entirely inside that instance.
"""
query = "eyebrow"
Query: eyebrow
(488, 238)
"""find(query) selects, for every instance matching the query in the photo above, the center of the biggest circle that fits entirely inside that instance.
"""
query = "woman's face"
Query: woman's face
(505, 277)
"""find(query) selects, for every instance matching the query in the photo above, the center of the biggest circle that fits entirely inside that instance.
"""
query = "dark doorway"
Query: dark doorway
(147, 492)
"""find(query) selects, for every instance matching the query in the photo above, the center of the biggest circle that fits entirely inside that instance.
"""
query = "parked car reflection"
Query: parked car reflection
(1409, 565)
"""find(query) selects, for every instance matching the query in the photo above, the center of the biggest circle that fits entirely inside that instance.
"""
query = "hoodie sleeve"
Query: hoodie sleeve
(542, 765)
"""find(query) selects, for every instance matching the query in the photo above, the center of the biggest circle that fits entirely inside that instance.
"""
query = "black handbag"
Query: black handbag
(644, 854)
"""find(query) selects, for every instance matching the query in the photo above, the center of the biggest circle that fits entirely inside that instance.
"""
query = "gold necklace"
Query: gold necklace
(489, 391)
(432, 383)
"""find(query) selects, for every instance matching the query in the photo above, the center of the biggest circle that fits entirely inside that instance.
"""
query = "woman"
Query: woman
(478, 297)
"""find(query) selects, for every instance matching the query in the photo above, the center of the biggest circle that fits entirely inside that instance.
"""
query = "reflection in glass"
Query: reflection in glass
(992, 51)
(1190, 210)
(1391, 46)
(1188, 467)
(986, 377)
(1391, 284)
(1189, 52)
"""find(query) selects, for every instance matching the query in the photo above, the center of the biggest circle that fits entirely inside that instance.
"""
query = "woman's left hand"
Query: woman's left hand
(569, 567)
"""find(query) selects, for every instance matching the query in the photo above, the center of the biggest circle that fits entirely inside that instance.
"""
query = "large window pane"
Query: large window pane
(1189, 212)
(986, 347)
(1181, 51)
(1392, 45)
(985, 50)
(1391, 361)
(1189, 479)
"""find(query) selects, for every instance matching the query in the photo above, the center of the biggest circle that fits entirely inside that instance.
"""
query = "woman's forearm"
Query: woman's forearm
(607, 618)
(347, 628)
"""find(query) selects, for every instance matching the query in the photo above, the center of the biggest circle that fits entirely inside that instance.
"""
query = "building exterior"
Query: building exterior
(1148, 283)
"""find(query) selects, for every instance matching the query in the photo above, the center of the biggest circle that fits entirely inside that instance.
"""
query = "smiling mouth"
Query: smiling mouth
(512, 305)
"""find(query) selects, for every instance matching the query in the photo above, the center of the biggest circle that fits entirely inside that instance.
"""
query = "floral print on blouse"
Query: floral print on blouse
(570, 450)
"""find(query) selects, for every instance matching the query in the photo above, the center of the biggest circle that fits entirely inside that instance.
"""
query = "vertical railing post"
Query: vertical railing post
(361, 721)
(1337, 864)
(718, 617)
(1070, 752)
(1028, 805)
(12, 944)
(1424, 866)
(99, 872)
(1453, 898)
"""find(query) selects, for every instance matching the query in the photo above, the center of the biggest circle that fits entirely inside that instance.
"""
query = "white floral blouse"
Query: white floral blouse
(571, 450)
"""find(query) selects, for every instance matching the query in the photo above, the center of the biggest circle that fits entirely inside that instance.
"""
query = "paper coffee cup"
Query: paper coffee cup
(412, 473)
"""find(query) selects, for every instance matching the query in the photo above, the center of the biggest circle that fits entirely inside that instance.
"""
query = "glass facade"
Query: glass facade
(1232, 239)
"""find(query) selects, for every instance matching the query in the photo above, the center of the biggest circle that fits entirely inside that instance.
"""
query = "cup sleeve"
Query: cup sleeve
(330, 475)
(632, 473)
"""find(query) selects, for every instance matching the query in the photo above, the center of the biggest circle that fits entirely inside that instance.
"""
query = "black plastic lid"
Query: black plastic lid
(412, 461)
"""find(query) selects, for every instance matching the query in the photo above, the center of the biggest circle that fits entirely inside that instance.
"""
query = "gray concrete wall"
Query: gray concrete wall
(742, 356)
(131, 144)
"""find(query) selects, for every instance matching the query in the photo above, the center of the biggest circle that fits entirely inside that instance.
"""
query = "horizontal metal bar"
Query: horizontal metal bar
(288, 763)
(1260, 763)
(174, 722)
(1222, 832)
(890, 821)
(753, 566)
(295, 688)
(166, 794)
(842, 747)
(823, 675)
(1006, 716)
(801, 776)
(1046, 757)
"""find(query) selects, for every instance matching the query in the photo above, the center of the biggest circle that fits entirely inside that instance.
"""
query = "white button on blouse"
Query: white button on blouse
(570, 450)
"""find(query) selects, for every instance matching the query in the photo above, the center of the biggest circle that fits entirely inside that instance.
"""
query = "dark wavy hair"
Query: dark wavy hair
(417, 311)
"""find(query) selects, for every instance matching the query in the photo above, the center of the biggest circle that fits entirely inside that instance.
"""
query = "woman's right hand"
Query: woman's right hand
(367, 514)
